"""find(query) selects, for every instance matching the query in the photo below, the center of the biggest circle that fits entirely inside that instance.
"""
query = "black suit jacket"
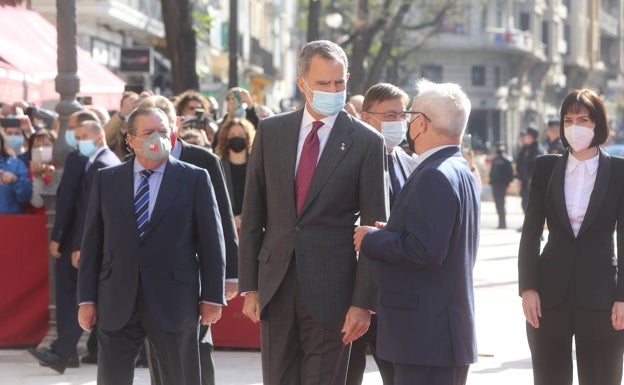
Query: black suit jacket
(67, 196)
(105, 158)
(584, 266)
(179, 262)
(201, 157)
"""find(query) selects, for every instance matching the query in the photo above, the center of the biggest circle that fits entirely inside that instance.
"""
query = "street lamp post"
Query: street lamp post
(233, 44)
(67, 82)
(314, 13)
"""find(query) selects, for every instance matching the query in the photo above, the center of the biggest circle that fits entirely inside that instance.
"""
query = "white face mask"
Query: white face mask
(393, 132)
(579, 137)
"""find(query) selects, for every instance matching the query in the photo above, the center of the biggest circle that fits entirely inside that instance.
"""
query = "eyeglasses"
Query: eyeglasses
(390, 115)
(408, 116)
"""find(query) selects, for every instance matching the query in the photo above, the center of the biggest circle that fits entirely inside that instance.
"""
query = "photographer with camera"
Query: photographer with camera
(197, 113)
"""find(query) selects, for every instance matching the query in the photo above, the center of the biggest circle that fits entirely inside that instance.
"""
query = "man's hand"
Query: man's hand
(209, 313)
(75, 258)
(617, 315)
(231, 290)
(359, 234)
(251, 306)
(87, 316)
(356, 324)
(54, 249)
(532, 307)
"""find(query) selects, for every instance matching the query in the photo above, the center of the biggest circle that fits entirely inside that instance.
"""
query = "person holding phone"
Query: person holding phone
(41, 168)
(15, 186)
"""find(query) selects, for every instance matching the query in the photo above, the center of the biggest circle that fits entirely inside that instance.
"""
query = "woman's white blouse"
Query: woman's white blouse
(580, 177)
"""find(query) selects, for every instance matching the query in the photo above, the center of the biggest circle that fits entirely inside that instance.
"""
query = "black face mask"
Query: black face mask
(410, 141)
(237, 144)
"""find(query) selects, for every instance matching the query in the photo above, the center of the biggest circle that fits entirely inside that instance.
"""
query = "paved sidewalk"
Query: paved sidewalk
(504, 355)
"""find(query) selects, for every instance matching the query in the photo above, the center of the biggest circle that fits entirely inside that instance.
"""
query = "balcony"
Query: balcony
(515, 39)
(261, 58)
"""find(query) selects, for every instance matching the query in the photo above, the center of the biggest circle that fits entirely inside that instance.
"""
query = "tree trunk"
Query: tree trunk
(181, 44)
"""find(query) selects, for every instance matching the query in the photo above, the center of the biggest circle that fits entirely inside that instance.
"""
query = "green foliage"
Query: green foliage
(202, 23)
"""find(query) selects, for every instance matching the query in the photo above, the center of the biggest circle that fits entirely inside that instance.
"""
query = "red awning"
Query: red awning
(28, 48)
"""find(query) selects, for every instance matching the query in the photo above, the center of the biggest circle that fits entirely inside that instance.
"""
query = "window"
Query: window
(478, 75)
(432, 73)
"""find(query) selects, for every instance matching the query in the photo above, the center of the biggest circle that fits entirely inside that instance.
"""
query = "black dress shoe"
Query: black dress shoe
(50, 359)
(89, 359)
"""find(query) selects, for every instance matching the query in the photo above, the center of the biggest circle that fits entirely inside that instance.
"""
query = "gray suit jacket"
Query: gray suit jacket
(349, 182)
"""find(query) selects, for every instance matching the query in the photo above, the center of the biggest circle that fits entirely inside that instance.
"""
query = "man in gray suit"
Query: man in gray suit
(310, 175)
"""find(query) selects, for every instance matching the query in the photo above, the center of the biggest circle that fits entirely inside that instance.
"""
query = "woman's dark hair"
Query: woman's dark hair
(42, 132)
(222, 135)
(591, 101)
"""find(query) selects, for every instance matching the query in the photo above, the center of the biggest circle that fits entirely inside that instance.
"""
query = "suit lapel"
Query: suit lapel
(125, 192)
(289, 133)
(600, 190)
(556, 189)
(338, 144)
(172, 182)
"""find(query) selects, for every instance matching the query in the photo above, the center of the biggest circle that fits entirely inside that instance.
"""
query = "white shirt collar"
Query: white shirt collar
(591, 164)
(421, 157)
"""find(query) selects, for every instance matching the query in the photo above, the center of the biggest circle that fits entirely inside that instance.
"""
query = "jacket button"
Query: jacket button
(296, 228)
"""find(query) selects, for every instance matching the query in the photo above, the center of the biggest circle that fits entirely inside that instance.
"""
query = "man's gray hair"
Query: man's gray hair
(326, 49)
(145, 111)
(445, 104)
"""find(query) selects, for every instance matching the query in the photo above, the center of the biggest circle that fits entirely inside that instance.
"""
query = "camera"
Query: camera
(199, 120)
(85, 100)
(10, 122)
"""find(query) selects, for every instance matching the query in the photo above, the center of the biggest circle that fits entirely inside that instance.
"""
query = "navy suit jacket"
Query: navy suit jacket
(422, 262)
(66, 198)
(105, 158)
(179, 262)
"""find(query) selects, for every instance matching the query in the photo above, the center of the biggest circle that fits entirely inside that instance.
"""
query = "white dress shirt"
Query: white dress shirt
(323, 133)
(580, 177)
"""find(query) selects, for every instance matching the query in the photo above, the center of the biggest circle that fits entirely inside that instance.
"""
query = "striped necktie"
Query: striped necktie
(141, 203)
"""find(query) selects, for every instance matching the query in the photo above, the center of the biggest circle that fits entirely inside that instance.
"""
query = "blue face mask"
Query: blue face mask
(87, 147)
(70, 139)
(328, 103)
(15, 142)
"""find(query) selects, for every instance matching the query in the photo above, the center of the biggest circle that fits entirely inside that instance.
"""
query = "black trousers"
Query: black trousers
(357, 360)
(205, 358)
(430, 375)
(599, 347)
(177, 352)
(296, 349)
(69, 331)
(499, 192)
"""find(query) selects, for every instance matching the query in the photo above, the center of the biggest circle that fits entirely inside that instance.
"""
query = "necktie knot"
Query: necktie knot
(145, 173)
(316, 125)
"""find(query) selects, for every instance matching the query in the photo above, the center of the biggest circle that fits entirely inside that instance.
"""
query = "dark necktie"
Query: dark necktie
(394, 181)
(307, 165)
(141, 203)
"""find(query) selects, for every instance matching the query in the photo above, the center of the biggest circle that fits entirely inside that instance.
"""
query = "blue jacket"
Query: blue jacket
(14, 196)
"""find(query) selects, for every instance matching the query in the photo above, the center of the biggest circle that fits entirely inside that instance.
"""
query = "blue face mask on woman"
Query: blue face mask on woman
(15, 142)
(327, 103)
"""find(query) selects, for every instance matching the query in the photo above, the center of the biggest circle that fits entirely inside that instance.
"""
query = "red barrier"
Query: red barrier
(234, 329)
(24, 290)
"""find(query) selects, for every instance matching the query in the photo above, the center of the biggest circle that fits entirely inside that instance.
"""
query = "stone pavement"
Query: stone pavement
(503, 352)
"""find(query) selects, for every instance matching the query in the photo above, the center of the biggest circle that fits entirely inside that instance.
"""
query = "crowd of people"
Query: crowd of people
(348, 225)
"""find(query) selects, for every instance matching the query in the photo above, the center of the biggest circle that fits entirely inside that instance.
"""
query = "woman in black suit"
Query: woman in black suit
(575, 286)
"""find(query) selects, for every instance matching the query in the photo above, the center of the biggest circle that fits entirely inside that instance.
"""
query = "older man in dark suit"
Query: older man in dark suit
(310, 175)
(203, 158)
(423, 258)
(152, 260)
